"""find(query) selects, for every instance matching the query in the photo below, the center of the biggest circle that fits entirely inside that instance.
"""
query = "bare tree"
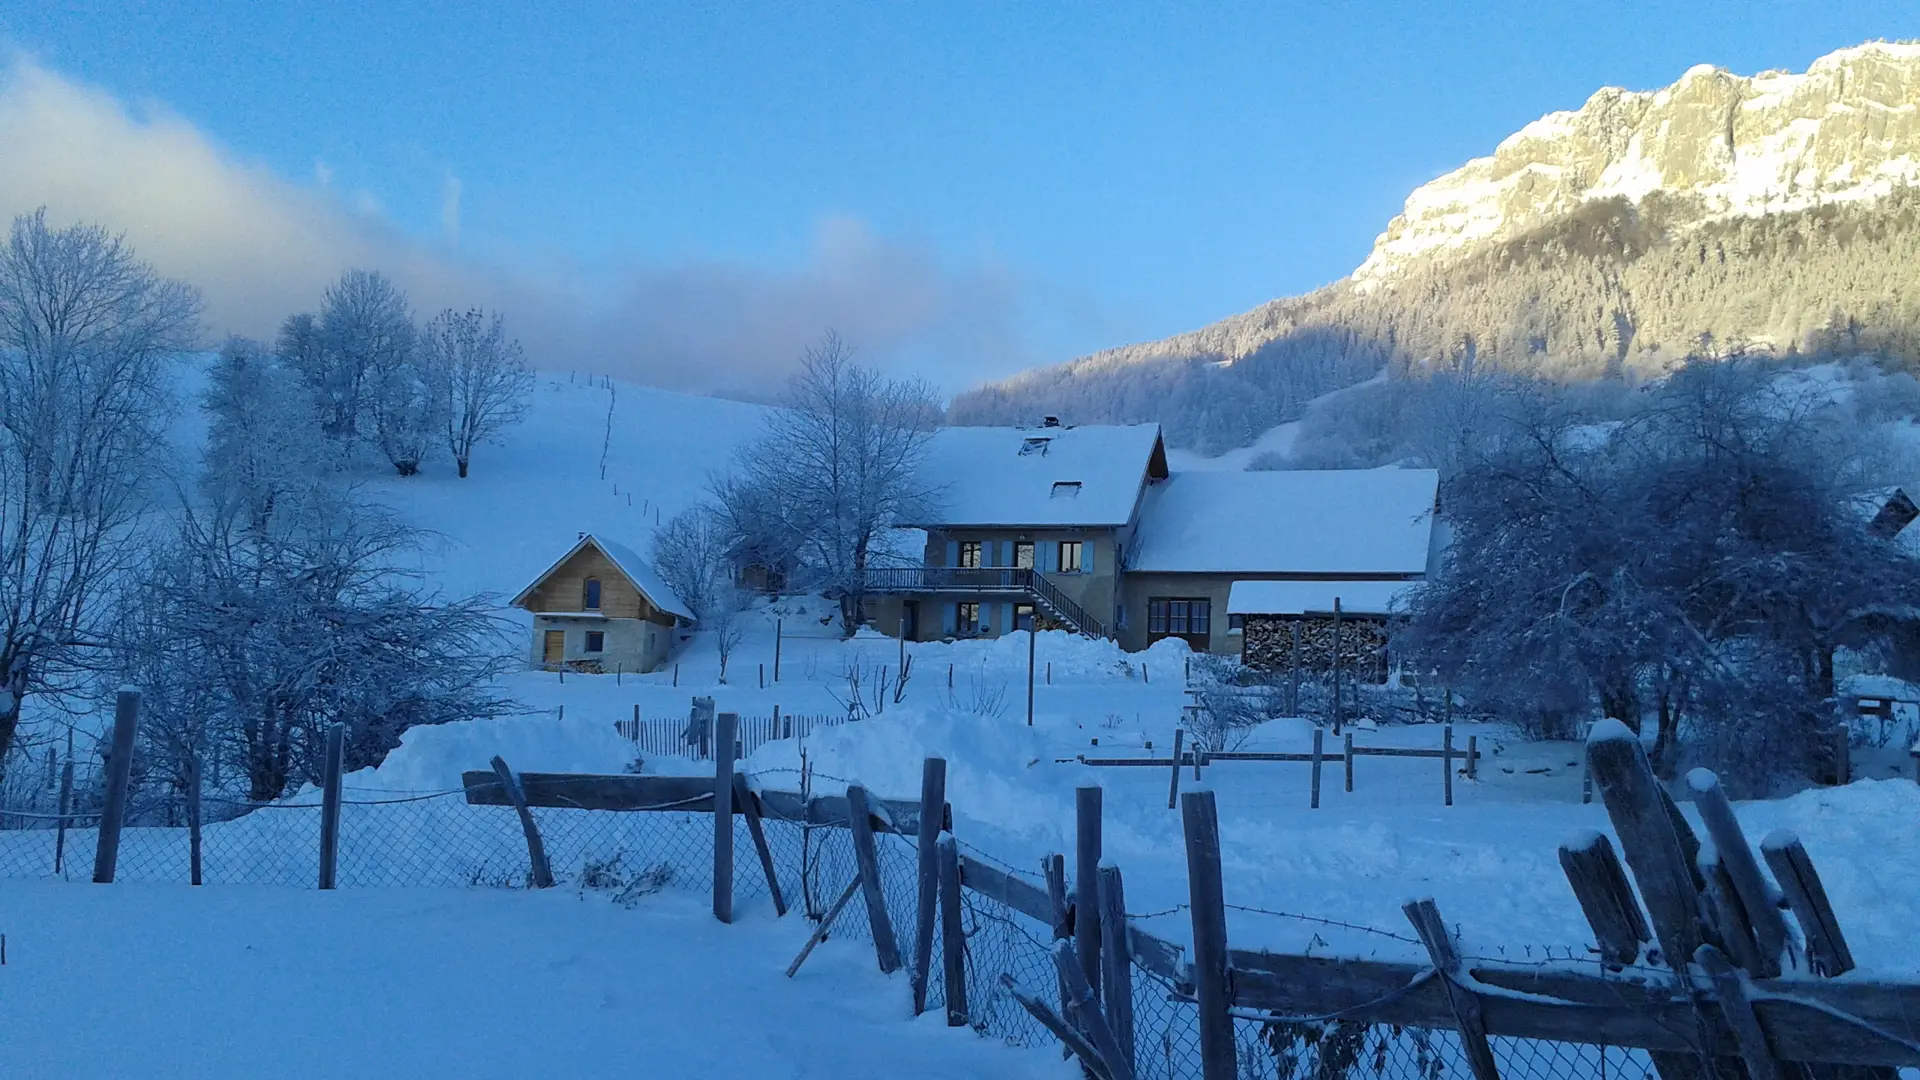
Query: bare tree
(405, 410)
(363, 329)
(479, 376)
(264, 442)
(86, 330)
(691, 554)
(838, 466)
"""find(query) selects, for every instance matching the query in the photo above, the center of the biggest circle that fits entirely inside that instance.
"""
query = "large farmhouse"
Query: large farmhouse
(600, 607)
(1087, 528)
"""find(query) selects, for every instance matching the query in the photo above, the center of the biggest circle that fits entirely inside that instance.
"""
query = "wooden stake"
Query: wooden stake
(66, 803)
(1087, 1008)
(113, 810)
(1473, 757)
(1731, 989)
(332, 767)
(1446, 761)
(726, 726)
(1053, 869)
(860, 816)
(745, 803)
(1346, 752)
(1465, 1004)
(1647, 839)
(193, 819)
(1063, 1030)
(1086, 884)
(1736, 857)
(953, 938)
(1173, 785)
(1827, 951)
(779, 635)
(1116, 961)
(538, 869)
(1600, 885)
(1200, 821)
(1314, 799)
(933, 797)
(826, 923)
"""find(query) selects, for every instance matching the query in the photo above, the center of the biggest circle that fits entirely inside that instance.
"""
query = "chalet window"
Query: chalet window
(1179, 616)
(1034, 446)
(1236, 623)
(1069, 556)
(1066, 489)
(591, 598)
(1023, 554)
(596, 640)
(970, 555)
(968, 620)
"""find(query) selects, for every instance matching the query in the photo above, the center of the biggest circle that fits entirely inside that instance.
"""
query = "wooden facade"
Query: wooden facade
(590, 614)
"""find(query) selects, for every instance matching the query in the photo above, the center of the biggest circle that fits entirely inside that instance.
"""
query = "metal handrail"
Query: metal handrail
(984, 579)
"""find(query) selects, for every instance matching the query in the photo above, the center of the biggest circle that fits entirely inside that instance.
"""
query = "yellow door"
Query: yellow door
(555, 649)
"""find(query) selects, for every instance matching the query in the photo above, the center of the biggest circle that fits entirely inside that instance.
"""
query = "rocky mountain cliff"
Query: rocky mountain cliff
(1780, 209)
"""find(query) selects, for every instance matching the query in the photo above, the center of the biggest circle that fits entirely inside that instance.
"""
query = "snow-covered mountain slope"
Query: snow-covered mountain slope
(1846, 129)
(529, 497)
(1779, 210)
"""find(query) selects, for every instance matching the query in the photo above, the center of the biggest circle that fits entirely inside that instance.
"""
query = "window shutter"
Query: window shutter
(949, 617)
(953, 553)
(1049, 557)
(1006, 618)
(1006, 553)
(1086, 556)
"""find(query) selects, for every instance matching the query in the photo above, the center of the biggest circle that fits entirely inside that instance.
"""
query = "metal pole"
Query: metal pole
(1033, 637)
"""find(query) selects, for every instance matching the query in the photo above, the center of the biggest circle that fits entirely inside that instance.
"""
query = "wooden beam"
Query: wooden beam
(1738, 1012)
(866, 855)
(1086, 884)
(745, 802)
(586, 791)
(1173, 786)
(1652, 847)
(1086, 1009)
(1076, 1043)
(1827, 951)
(1022, 896)
(332, 767)
(953, 936)
(726, 730)
(1200, 821)
(1461, 1002)
(539, 872)
(1116, 964)
(933, 792)
(113, 808)
(820, 932)
(1313, 799)
(1600, 885)
(1060, 917)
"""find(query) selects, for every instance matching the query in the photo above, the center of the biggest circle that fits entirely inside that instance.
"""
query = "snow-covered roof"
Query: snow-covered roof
(1045, 476)
(628, 562)
(1301, 597)
(1333, 521)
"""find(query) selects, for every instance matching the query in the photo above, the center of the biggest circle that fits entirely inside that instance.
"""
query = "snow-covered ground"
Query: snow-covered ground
(232, 982)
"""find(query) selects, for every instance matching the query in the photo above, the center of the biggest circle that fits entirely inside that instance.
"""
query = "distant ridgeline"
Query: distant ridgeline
(1780, 211)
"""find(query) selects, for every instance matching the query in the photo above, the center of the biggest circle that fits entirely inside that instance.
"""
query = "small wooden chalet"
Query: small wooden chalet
(600, 607)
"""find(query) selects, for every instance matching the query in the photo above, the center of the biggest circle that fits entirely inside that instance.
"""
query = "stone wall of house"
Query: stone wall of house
(1268, 644)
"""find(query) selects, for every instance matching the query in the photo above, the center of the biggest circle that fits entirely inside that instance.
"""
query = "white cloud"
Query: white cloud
(260, 246)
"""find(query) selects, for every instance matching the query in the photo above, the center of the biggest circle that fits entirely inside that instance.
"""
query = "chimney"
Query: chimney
(1049, 421)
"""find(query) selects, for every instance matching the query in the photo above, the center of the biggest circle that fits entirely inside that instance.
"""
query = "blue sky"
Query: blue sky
(1035, 180)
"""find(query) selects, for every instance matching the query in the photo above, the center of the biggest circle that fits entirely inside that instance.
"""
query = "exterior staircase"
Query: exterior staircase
(989, 580)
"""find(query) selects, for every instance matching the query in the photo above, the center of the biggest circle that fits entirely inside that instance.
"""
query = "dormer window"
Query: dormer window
(1029, 447)
(590, 594)
(1066, 489)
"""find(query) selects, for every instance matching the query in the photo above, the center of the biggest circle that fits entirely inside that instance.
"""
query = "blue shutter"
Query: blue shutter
(1049, 556)
(1086, 555)
(1006, 618)
(1006, 553)
(949, 617)
(953, 553)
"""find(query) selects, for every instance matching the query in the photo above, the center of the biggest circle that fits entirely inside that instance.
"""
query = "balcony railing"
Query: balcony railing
(985, 579)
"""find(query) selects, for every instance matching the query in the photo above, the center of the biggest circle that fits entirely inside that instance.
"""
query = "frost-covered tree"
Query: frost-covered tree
(835, 468)
(363, 329)
(86, 334)
(693, 554)
(406, 410)
(479, 376)
(264, 441)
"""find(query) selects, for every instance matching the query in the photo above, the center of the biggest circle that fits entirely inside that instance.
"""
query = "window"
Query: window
(970, 555)
(1034, 446)
(1069, 556)
(1236, 623)
(596, 641)
(591, 599)
(1023, 554)
(1066, 489)
(1175, 616)
(968, 618)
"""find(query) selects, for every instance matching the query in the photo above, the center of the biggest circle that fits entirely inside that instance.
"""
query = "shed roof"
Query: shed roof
(637, 571)
(1046, 476)
(1318, 597)
(1332, 521)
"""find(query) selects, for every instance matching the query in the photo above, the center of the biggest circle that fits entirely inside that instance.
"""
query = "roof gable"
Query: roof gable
(638, 572)
(1329, 521)
(1088, 476)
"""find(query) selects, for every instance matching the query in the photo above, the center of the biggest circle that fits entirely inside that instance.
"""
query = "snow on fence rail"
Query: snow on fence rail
(1052, 956)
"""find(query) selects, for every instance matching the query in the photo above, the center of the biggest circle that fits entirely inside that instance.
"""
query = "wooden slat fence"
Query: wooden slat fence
(667, 736)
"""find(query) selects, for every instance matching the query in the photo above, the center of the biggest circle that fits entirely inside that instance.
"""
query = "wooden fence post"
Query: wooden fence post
(743, 801)
(1293, 672)
(933, 798)
(1200, 821)
(953, 936)
(1053, 869)
(1333, 664)
(1827, 950)
(66, 804)
(1086, 883)
(1346, 754)
(867, 856)
(1116, 960)
(779, 626)
(330, 771)
(1092, 1022)
(1647, 839)
(1748, 1035)
(538, 869)
(726, 727)
(1600, 885)
(193, 818)
(1465, 1005)
(1173, 786)
(1473, 757)
(1314, 800)
(113, 811)
(1446, 761)
(1736, 857)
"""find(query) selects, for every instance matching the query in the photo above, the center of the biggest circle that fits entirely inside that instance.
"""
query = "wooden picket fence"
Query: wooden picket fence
(1697, 964)
(667, 736)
